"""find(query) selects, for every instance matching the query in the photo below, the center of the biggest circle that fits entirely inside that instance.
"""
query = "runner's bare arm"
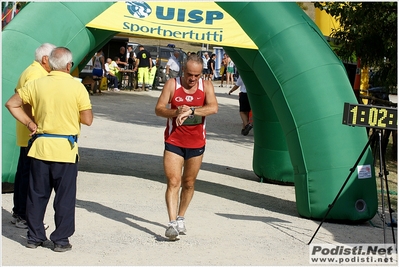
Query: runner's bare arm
(161, 108)
(210, 107)
(211, 104)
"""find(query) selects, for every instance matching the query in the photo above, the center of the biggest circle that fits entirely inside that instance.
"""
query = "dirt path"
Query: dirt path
(121, 215)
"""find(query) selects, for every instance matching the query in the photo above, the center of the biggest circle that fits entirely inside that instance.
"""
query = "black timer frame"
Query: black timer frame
(383, 170)
(370, 116)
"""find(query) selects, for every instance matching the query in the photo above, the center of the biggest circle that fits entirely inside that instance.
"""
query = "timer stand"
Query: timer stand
(382, 172)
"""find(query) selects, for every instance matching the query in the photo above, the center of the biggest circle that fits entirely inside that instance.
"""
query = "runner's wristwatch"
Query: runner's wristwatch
(192, 111)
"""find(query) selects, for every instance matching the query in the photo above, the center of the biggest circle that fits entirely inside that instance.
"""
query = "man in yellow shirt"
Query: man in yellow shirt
(39, 68)
(61, 103)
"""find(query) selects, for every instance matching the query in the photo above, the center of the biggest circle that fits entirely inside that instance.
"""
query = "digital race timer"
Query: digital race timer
(370, 116)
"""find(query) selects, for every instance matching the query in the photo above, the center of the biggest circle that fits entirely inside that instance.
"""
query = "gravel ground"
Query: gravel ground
(121, 216)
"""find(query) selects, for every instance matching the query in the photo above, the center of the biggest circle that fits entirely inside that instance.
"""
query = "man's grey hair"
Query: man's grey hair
(43, 50)
(59, 58)
(196, 58)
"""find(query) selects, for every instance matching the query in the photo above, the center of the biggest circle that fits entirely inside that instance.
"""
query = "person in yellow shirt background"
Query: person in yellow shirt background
(39, 68)
(61, 103)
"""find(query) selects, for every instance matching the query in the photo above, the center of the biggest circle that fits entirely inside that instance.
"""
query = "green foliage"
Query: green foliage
(21, 5)
(368, 30)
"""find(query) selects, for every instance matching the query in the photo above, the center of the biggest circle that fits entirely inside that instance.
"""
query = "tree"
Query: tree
(369, 31)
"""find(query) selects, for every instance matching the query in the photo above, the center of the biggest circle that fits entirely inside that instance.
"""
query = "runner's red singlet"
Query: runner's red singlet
(192, 133)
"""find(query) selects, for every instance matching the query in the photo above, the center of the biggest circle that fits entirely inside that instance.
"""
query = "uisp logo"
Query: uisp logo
(139, 9)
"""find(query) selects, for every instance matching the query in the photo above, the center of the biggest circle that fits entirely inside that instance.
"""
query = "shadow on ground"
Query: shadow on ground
(153, 170)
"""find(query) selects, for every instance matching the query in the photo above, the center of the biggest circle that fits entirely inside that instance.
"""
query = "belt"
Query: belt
(71, 138)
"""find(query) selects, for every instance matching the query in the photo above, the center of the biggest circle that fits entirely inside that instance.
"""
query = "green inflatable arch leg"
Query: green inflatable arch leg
(307, 85)
(271, 159)
(296, 87)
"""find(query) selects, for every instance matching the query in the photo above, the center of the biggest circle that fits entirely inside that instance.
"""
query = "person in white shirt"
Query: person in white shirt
(111, 69)
(173, 65)
(245, 107)
(205, 70)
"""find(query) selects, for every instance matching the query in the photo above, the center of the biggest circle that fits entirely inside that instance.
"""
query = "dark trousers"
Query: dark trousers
(45, 176)
(113, 80)
(21, 184)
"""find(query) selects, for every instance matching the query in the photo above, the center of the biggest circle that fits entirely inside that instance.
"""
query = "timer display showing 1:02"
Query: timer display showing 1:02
(370, 116)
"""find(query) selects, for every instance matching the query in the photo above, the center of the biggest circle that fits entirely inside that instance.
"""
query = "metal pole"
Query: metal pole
(382, 185)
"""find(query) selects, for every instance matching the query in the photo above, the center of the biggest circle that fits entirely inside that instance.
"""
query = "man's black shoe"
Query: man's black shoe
(33, 245)
(246, 130)
(62, 248)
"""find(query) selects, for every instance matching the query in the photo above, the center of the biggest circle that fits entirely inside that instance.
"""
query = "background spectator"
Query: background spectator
(173, 65)
(111, 70)
(211, 67)
(245, 107)
(205, 70)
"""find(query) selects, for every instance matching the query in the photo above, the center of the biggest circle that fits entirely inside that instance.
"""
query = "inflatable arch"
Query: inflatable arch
(296, 86)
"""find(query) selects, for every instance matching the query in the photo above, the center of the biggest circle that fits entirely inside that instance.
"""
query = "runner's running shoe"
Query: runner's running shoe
(171, 232)
(181, 227)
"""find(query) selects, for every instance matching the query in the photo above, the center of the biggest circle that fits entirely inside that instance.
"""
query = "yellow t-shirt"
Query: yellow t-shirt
(57, 100)
(33, 72)
(113, 68)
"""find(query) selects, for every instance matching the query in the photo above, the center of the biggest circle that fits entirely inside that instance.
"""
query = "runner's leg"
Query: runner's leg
(191, 169)
(173, 165)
